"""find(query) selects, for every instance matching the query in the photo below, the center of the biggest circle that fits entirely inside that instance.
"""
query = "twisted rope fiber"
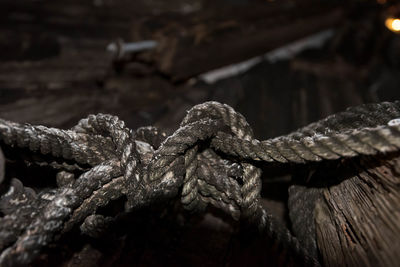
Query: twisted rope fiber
(50, 220)
(312, 144)
(82, 148)
(218, 183)
(147, 167)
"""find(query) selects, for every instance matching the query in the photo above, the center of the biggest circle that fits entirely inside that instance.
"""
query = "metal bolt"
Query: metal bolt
(119, 48)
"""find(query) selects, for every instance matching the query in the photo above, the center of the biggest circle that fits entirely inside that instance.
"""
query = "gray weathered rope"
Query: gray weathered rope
(148, 167)
(43, 227)
(66, 144)
(190, 195)
(99, 198)
(364, 116)
(350, 143)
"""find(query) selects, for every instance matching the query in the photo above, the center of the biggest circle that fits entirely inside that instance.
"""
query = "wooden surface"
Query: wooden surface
(357, 220)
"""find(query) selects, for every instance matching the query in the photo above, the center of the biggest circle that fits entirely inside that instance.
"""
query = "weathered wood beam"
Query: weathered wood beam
(188, 48)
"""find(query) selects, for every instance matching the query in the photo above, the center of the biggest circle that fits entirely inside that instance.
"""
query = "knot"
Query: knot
(122, 137)
(131, 153)
(183, 160)
(192, 195)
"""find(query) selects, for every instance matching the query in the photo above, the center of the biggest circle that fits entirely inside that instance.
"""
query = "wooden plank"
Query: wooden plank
(357, 220)
(182, 58)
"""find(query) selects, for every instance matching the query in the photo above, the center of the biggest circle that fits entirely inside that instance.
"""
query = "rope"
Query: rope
(349, 143)
(50, 220)
(147, 167)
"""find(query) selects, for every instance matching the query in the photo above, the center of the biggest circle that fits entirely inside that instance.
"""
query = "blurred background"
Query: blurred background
(281, 63)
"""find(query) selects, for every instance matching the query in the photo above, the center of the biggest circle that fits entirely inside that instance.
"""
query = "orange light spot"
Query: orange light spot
(393, 24)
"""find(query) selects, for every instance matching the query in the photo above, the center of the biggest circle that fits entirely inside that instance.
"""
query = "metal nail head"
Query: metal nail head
(119, 48)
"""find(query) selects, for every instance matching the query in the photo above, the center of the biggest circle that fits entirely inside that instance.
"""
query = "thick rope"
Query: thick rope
(364, 116)
(147, 167)
(66, 144)
(190, 195)
(350, 143)
(50, 220)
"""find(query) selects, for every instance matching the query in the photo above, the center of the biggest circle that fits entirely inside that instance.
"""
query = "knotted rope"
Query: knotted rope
(149, 167)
